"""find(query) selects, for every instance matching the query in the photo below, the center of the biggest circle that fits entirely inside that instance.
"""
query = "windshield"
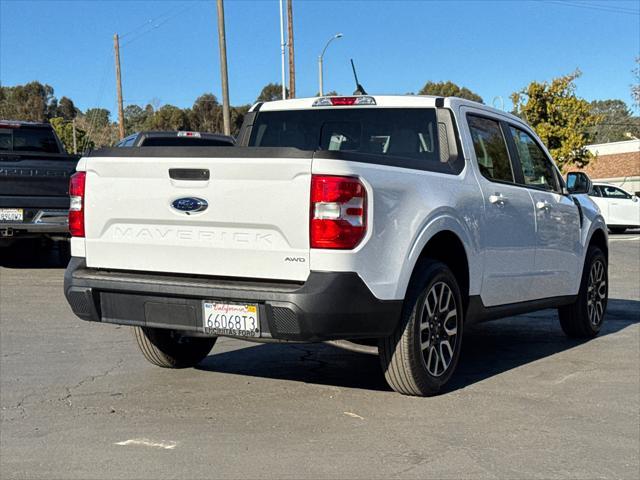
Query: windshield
(28, 140)
(405, 132)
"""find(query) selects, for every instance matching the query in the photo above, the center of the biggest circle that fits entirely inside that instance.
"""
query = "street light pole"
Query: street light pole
(337, 35)
(282, 45)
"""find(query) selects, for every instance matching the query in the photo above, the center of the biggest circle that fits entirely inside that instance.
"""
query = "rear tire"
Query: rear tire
(170, 348)
(584, 317)
(422, 354)
(617, 230)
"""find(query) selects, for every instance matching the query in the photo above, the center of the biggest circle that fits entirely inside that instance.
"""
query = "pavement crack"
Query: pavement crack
(89, 379)
(20, 405)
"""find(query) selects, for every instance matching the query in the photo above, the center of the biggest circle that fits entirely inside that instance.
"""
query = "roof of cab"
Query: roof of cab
(21, 123)
(382, 101)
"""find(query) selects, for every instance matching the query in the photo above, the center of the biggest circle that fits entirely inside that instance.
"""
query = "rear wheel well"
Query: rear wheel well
(446, 247)
(599, 240)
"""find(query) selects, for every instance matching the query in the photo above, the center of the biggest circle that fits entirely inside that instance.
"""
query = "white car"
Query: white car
(391, 222)
(620, 209)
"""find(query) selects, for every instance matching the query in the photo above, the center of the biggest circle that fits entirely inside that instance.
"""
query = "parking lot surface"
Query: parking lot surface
(79, 401)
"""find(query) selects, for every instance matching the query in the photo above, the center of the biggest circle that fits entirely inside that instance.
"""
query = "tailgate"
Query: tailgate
(255, 225)
(36, 175)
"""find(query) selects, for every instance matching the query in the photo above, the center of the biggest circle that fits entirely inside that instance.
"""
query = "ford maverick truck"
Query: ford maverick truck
(393, 221)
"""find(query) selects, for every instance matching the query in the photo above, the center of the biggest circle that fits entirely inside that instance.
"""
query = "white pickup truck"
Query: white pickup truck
(392, 221)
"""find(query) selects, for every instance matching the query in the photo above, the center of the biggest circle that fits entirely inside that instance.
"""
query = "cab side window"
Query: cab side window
(491, 149)
(614, 192)
(537, 169)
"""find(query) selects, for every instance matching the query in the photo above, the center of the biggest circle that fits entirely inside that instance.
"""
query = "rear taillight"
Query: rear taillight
(338, 212)
(76, 207)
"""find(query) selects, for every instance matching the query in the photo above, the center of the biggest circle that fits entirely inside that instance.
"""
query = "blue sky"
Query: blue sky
(171, 54)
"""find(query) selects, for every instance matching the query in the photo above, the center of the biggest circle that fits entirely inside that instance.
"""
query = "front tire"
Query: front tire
(171, 349)
(584, 317)
(422, 354)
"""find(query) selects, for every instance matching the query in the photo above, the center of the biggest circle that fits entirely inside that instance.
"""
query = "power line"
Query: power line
(157, 25)
(597, 7)
(151, 21)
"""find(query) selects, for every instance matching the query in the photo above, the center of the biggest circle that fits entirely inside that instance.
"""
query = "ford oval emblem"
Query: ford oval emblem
(190, 205)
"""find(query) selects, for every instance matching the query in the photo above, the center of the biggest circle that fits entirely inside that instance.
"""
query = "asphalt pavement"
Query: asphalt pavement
(79, 401)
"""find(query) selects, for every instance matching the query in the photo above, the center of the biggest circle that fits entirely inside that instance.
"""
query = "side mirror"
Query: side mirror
(578, 182)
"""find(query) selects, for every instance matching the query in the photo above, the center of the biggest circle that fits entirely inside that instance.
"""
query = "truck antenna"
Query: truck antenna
(359, 88)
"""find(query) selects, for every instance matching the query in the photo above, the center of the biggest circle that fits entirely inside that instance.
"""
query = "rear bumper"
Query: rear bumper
(37, 222)
(328, 306)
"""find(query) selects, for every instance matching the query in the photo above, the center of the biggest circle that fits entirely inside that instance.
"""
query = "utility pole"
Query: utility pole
(292, 63)
(282, 45)
(222, 43)
(75, 140)
(116, 47)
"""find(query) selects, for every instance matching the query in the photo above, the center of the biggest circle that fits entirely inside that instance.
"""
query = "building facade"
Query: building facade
(617, 163)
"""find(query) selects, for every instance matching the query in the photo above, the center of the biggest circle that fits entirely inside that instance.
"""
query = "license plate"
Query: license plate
(234, 319)
(11, 214)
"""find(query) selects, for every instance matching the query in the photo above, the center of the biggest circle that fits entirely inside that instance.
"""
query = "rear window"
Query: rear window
(184, 142)
(411, 133)
(28, 140)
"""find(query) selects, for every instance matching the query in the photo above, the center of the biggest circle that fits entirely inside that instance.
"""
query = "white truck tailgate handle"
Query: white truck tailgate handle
(201, 174)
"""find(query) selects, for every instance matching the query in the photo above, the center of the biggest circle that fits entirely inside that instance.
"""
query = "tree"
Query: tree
(64, 130)
(169, 117)
(559, 117)
(99, 117)
(331, 93)
(635, 88)
(615, 122)
(31, 102)
(134, 118)
(271, 92)
(449, 89)
(206, 114)
(101, 132)
(237, 117)
(66, 109)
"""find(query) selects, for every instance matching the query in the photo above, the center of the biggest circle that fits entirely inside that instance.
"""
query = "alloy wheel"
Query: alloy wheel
(438, 329)
(596, 293)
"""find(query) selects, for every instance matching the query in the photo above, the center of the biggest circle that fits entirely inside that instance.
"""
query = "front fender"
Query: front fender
(592, 221)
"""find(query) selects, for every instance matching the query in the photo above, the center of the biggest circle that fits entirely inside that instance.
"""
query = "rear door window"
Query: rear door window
(410, 133)
(491, 149)
(25, 139)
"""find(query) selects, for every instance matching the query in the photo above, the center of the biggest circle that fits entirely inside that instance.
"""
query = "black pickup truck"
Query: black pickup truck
(34, 182)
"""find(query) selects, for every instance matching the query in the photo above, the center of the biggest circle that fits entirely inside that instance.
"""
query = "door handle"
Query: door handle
(543, 205)
(497, 199)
